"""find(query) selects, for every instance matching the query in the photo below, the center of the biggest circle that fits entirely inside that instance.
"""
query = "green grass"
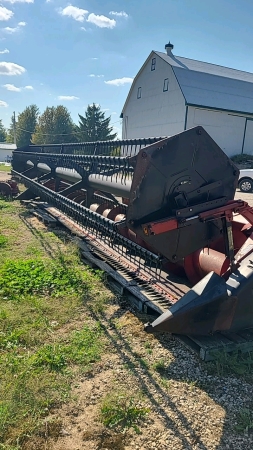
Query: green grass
(44, 339)
(245, 421)
(121, 411)
(235, 363)
(84, 348)
(7, 204)
(4, 168)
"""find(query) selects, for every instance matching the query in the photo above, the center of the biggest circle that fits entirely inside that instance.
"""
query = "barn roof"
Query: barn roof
(209, 85)
(212, 86)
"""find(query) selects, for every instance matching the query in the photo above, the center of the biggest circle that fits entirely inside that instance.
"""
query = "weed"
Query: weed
(10, 339)
(148, 348)
(122, 412)
(147, 344)
(52, 357)
(31, 276)
(3, 241)
(245, 421)
(165, 383)
(160, 366)
(235, 363)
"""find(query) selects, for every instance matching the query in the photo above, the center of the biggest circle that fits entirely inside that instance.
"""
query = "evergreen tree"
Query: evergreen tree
(55, 126)
(94, 126)
(3, 133)
(26, 124)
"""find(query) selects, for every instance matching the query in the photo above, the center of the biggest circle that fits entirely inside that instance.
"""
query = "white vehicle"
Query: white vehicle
(245, 182)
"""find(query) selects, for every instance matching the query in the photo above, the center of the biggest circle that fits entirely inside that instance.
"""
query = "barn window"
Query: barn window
(166, 85)
(153, 63)
(139, 92)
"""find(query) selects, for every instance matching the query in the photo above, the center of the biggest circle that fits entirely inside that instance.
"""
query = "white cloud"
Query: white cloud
(74, 12)
(18, 1)
(92, 75)
(119, 81)
(11, 30)
(67, 97)
(82, 28)
(9, 68)
(5, 14)
(11, 87)
(3, 104)
(119, 14)
(15, 29)
(94, 58)
(4, 51)
(101, 21)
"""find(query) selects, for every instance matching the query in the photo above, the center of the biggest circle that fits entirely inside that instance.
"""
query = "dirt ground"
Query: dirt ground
(245, 197)
(4, 176)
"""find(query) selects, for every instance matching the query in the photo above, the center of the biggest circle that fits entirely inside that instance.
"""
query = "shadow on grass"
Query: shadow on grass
(202, 375)
(52, 251)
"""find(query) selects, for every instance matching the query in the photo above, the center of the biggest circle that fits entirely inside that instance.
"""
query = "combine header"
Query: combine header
(165, 210)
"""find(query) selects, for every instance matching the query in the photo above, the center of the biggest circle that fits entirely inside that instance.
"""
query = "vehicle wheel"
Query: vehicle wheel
(246, 185)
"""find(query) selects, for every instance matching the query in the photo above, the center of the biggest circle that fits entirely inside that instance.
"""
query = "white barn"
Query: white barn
(171, 94)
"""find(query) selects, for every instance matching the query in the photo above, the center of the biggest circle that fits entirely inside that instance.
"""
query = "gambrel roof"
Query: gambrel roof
(209, 85)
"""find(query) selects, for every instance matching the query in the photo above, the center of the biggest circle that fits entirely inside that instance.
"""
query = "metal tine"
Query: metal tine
(112, 165)
(106, 232)
(113, 240)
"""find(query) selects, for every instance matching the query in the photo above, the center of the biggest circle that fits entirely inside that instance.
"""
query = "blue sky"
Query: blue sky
(76, 53)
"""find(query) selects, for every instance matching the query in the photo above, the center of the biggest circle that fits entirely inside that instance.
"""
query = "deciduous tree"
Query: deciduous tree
(26, 124)
(3, 133)
(55, 126)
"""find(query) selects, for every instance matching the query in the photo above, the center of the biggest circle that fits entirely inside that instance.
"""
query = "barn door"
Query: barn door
(248, 140)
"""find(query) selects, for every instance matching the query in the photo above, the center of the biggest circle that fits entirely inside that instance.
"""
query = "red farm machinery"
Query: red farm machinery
(163, 211)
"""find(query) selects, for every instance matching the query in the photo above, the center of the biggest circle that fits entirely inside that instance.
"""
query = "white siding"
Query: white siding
(156, 113)
(248, 142)
(226, 129)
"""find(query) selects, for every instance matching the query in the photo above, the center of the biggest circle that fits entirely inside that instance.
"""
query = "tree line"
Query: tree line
(55, 126)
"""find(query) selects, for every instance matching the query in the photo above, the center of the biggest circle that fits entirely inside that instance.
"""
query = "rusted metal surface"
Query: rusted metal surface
(9, 188)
